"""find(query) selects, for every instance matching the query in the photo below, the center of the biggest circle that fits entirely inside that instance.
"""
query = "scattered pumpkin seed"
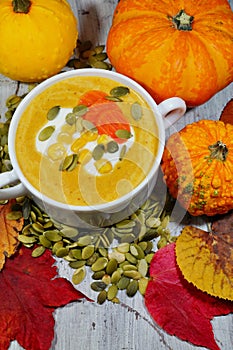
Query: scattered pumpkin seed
(120, 257)
(38, 227)
(106, 279)
(53, 112)
(123, 282)
(103, 251)
(111, 266)
(100, 64)
(112, 292)
(116, 275)
(143, 267)
(149, 257)
(101, 56)
(132, 288)
(99, 264)
(99, 49)
(98, 286)
(69, 232)
(98, 275)
(13, 101)
(162, 242)
(56, 246)
(62, 252)
(46, 133)
(53, 236)
(38, 251)
(44, 241)
(102, 296)
(26, 239)
(88, 251)
(142, 285)
(132, 274)
(79, 275)
(77, 263)
(123, 247)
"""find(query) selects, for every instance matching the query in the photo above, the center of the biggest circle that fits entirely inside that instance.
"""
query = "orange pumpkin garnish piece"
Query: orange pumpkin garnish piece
(106, 115)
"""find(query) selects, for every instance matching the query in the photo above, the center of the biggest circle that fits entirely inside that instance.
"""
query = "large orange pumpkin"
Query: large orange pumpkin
(174, 47)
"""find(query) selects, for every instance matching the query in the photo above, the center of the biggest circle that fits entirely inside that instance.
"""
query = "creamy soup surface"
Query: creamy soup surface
(90, 154)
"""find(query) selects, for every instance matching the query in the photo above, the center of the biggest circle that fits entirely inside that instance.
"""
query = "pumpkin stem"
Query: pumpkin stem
(218, 151)
(182, 21)
(21, 6)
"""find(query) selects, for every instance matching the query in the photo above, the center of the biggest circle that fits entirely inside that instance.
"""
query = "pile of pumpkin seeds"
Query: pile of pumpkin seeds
(87, 56)
(118, 256)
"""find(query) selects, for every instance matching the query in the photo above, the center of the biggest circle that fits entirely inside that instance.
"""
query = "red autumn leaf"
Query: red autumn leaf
(177, 306)
(29, 294)
(104, 114)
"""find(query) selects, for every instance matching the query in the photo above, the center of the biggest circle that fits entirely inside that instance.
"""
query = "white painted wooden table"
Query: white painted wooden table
(128, 326)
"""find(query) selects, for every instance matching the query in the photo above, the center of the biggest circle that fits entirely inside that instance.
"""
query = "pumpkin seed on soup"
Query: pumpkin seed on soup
(136, 111)
(98, 151)
(80, 110)
(69, 162)
(112, 147)
(123, 134)
(46, 133)
(71, 118)
(119, 91)
(113, 98)
(53, 112)
(122, 152)
(88, 125)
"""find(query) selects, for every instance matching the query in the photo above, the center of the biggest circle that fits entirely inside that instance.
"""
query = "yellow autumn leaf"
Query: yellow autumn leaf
(9, 230)
(206, 260)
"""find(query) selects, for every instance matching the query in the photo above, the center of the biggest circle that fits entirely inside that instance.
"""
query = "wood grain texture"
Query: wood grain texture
(128, 326)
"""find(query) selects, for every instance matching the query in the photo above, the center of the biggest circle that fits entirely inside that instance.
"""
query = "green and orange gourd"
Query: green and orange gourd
(197, 164)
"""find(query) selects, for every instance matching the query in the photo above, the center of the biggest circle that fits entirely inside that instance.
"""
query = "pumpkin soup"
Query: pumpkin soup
(89, 141)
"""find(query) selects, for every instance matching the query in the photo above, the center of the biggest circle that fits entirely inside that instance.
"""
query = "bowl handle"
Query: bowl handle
(171, 110)
(16, 189)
